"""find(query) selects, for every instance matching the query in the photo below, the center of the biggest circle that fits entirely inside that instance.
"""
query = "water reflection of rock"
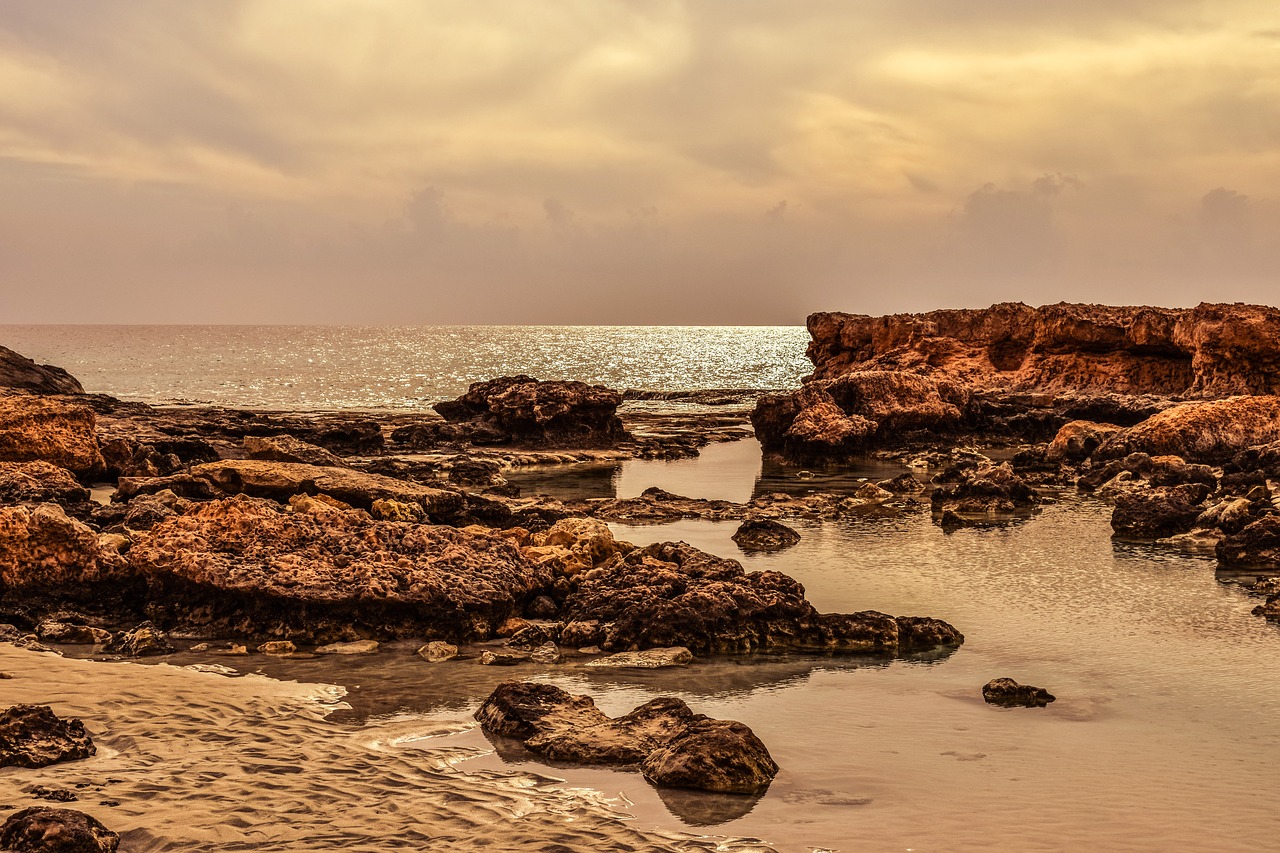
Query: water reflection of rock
(706, 808)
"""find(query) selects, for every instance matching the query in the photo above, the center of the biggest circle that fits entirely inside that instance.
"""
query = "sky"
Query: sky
(615, 162)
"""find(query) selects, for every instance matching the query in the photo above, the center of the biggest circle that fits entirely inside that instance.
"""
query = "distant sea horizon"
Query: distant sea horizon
(297, 367)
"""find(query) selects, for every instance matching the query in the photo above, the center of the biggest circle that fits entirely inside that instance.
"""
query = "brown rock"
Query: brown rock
(1257, 545)
(47, 830)
(18, 371)
(39, 482)
(48, 558)
(1202, 431)
(1009, 693)
(762, 534)
(43, 429)
(1077, 440)
(286, 448)
(33, 736)
(523, 410)
(713, 755)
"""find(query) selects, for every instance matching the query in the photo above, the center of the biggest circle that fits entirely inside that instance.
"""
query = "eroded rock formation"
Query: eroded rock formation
(49, 430)
(18, 371)
(524, 410)
(34, 736)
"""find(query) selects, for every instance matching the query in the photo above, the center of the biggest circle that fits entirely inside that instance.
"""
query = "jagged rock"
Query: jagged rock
(181, 485)
(286, 448)
(762, 534)
(19, 372)
(981, 489)
(33, 736)
(1230, 516)
(547, 653)
(647, 659)
(146, 511)
(244, 567)
(523, 410)
(437, 651)
(671, 594)
(355, 647)
(41, 829)
(277, 648)
(573, 545)
(1263, 459)
(1077, 440)
(64, 632)
(282, 480)
(391, 510)
(1257, 545)
(1158, 512)
(146, 639)
(39, 482)
(56, 795)
(47, 430)
(712, 755)
(529, 636)
(1211, 431)
(903, 484)
(1009, 693)
(48, 559)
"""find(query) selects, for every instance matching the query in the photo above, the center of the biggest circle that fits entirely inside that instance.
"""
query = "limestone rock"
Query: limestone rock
(1077, 440)
(286, 448)
(33, 736)
(278, 648)
(47, 830)
(1009, 693)
(64, 632)
(437, 651)
(43, 429)
(1257, 545)
(1158, 512)
(1211, 431)
(523, 410)
(355, 647)
(713, 755)
(39, 482)
(146, 639)
(762, 534)
(48, 558)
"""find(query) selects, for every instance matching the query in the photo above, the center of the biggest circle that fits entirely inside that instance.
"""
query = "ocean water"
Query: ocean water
(402, 367)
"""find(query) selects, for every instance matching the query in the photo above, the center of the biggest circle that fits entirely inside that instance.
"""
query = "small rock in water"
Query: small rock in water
(233, 650)
(33, 736)
(501, 658)
(545, 653)
(45, 830)
(762, 534)
(1009, 693)
(647, 659)
(713, 755)
(215, 668)
(872, 492)
(277, 647)
(57, 795)
(146, 639)
(437, 651)
(357, 647)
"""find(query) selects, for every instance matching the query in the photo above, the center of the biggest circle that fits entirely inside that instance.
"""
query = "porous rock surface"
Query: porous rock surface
(47, 830)
(47, 557)
(521, 409)
(39, 482)
(49, 430)
(1011, 694)
(1203, 431)
(674, 746)
(33, 736)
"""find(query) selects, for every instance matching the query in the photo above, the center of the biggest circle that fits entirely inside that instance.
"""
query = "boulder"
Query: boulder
(719, 755)
(1157, 512)
(47, 830)
(672, 594)
(1256, 546)
(43, 429)
(21, 373)
(245, 567)
(33, 736)
(48, 560)
(282, 480)
(1010, 694)
(39, 482)
(437, 651)
(712, 755)
(1077, 440)
(286, 448)
(524, 410)
(51, 631)
(969, 488)
(1212, 431)
(142, 641)
(1263, 459)
(762, 534)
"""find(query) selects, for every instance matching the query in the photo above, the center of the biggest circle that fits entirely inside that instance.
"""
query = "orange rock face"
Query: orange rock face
(1211, 350)
(43, 429)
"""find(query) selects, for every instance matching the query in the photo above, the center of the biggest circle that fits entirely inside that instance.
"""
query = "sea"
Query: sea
(1164, 735)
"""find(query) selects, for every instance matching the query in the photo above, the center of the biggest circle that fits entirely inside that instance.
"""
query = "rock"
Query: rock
(713, 755)
(903, 484)
(564, 727)
(1009, 693)
(982, 489)
(1157, 512)
(547, 653)
(488, 658)
(230, 650)
(573, 545)
(244, 567)
(1209, 350)
(542, 607)
(1077, 440)
(47, 830)
(523, 410)
(63, 632)
(146, 639)
(56, 795)
(873, 493)
(146, 511)
(671, 594)
(39, 482)
(1257, 545)
(355, 647)
(530, 636)
(181, 485)
(647, 659)
(392, 510)
(1230, 516)
(1212, 431)
(19, 372)
(277, 647)
(283, 480)
(49, 561)
(47, 430)
(1264, 459)
(437, 651)
(762, 534)
(33, 736)
(286, 448)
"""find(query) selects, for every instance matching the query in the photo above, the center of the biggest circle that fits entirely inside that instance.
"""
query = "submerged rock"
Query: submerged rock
(763, 534)
(647, 659)
(981, 489)
(437, 651)
(675, 746)
(33, 736)
(48, 830)
(1010, 694)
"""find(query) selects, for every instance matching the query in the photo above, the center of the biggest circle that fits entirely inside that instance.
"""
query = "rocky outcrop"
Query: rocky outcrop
(974, 489)
(34, 736)
(1077, 441)
(524, 410)
(49, 430)
(1212, 350)
(1158, 511)
(19, 372)
(39, 482)
(674, 746)
(286, 448)
(1011, 694)
(282, 480)
(671, 594)
(246, 567)
(48, 559)
(47, 830)
(1212, 431)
